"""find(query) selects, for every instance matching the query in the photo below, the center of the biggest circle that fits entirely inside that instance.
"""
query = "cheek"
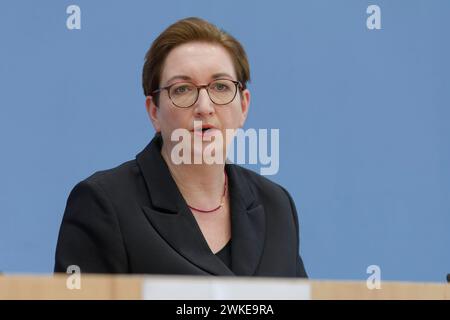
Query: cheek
(233, 116)
(172, 118)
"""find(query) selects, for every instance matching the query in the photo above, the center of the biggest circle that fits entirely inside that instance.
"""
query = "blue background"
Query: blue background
(363, 117)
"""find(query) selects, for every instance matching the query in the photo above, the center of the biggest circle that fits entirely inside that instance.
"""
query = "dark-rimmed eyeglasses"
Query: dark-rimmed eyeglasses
(185, 94)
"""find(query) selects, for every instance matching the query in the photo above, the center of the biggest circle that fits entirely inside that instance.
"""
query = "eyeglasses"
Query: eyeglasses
(185, 94)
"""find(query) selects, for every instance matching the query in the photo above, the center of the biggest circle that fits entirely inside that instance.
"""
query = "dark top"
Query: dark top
(225, 254)
(133, 219)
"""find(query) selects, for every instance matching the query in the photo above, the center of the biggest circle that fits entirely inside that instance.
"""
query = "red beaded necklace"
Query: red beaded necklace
(222, 202)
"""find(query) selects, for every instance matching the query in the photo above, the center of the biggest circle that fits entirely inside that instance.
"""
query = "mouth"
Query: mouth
(205, 129)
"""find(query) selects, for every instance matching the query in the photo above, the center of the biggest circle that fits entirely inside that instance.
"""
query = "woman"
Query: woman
(159, 215)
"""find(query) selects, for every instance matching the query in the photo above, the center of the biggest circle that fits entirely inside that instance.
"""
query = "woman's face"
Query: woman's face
(199, 63)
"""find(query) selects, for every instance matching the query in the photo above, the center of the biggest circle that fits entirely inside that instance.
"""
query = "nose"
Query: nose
(204, 106)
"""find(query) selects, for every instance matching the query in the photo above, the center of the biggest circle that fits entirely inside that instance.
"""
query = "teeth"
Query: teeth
(201, 129)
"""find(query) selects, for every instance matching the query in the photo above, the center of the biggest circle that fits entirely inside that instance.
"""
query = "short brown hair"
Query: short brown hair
(184, 31)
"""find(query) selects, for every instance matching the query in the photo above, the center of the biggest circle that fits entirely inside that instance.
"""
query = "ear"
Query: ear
(152, 111)
(245, 104)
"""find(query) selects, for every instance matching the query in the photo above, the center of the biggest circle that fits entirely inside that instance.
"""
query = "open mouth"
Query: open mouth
(204, 130)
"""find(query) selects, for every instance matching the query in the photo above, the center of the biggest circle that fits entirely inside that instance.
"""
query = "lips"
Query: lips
(205, 129)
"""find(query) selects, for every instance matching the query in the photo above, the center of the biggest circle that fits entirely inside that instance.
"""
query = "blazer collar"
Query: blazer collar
(175, 222)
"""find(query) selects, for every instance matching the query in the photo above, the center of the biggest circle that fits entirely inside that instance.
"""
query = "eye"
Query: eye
(181, 89)
(221, 86)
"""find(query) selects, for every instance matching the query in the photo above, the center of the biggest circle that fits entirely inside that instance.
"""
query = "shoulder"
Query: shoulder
(262, 187)
(113, 192)
(117, 177)
(116, 185)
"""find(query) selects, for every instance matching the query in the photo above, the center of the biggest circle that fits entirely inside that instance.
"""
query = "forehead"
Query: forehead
(198, 61)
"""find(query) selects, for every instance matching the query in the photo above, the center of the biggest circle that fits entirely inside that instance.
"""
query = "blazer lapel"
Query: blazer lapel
(174, 221)
(170, 214)
(247, 225)
(185, 237)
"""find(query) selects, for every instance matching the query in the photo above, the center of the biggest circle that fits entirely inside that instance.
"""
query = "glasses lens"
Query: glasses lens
(183, 94)
(222, 91)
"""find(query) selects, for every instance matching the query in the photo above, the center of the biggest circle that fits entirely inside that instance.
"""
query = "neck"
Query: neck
(200, 184)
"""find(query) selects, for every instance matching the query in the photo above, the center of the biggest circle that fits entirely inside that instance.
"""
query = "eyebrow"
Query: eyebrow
(184, 77)
(221, 75)
(181, 77)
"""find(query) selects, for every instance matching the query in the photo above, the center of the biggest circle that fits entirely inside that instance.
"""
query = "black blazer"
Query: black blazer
(133, 219)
